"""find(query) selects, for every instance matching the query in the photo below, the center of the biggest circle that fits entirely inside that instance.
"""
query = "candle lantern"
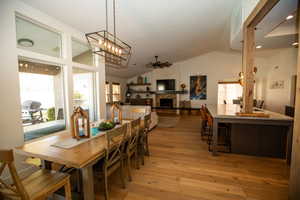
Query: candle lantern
(80, 124)
(116, 118)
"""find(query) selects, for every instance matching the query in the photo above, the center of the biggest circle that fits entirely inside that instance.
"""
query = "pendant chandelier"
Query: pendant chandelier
(241, 76)
(116, 52)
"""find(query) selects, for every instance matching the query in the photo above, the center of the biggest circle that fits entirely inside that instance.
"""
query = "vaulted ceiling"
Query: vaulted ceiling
(172, 29)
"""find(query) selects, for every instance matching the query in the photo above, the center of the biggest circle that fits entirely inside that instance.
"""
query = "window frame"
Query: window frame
(113, 94)
(65, 61)
(108, 94)
(94, 91)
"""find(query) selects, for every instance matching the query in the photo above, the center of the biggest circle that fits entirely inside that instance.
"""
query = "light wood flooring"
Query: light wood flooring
(181, 168)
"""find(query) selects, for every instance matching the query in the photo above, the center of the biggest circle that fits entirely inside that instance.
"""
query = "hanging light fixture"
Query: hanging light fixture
(242, 77)
(116, 52)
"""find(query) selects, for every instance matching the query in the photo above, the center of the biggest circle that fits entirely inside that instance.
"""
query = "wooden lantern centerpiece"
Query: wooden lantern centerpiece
(80, 124)
(115, 108)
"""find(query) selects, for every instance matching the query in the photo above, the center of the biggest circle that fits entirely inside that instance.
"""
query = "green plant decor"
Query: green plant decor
(104, 126)
(51, 114)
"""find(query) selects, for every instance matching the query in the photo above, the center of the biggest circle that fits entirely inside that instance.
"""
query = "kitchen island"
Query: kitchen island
(260, 136)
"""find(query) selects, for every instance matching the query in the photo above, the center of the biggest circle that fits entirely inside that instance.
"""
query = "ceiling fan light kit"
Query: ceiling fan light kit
(116, 52)
(157, 64)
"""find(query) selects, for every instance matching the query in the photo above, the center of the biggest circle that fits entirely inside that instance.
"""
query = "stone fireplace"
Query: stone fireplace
(166, 100)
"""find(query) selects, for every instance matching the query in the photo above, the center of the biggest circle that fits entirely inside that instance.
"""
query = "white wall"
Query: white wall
(216, 66)
(222, 66)
(280, 64)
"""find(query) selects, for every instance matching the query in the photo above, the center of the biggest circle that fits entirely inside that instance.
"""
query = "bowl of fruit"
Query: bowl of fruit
(105, 126)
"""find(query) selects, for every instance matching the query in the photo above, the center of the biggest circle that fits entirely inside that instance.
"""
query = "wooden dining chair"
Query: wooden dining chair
(39, 185)
(113, 159)
(132, 146)
(147, 122)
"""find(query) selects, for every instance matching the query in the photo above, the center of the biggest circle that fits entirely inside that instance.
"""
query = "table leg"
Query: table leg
(215, 137)
(47, 164)
(289, 144)
(88, 183)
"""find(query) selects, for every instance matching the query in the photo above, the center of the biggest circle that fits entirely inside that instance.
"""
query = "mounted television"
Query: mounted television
(167, 84)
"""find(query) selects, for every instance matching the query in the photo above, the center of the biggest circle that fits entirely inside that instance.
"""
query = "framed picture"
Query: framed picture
(198, 87)
(277, 84)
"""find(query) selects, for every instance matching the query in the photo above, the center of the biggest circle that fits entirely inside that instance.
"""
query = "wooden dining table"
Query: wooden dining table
(82, 156)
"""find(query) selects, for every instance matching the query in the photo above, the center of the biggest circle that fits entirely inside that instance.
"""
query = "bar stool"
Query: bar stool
(224, 131)
(204, 127)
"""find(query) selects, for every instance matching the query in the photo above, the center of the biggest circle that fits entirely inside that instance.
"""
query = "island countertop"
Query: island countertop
(228, 111)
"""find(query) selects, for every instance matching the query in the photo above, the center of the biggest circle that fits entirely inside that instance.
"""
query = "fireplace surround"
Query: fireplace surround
(166, 100)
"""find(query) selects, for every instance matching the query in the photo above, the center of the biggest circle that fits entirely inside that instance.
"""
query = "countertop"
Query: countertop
(229, 111)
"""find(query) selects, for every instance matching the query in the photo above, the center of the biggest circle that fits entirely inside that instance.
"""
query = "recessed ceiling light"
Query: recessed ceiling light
(289, 17)
(295, 43)
(25, 42)
(259, 46)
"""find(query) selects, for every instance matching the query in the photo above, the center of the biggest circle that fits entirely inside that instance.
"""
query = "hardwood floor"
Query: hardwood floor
(181, 168)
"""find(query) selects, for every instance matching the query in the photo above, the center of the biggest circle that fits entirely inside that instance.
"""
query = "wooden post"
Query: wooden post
(248, 64)
(294, 192)
(260, 11)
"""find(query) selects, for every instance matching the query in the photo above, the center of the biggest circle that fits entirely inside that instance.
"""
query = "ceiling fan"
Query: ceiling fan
(158, 64)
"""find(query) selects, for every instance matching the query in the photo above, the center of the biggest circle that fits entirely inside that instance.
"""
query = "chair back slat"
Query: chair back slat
(147, 121)
(7, 159)
(115, 144)
(135, 128)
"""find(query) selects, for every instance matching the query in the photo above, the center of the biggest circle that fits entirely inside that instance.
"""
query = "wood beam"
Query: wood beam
(260, 11)
(248, 64)
(294, 184)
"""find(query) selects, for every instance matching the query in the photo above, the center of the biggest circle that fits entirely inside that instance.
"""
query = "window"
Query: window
(81, 53)
(228, 92)
(42, 98)
(116, 92)
(83, 91)
(107, 92)
(38, 39)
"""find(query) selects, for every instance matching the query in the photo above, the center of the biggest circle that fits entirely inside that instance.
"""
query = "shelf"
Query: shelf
(142, 92)
(137, 84)
(172, 92)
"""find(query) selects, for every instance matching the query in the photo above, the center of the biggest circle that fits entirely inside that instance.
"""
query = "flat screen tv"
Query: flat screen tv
(165, 85)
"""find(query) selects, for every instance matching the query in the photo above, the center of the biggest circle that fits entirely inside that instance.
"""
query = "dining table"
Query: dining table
(81, 157)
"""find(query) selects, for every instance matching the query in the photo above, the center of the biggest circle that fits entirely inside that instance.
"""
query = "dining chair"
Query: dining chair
(132, 146)
(147, 122)
(38, 185)
(143, 148)
(113, 159)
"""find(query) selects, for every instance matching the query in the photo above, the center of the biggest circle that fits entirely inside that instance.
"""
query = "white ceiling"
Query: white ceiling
(274, 31)
(172, 29)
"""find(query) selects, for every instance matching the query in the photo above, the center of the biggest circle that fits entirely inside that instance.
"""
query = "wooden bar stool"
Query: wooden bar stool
(204, 127)
(39, 185)
(223, 131)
